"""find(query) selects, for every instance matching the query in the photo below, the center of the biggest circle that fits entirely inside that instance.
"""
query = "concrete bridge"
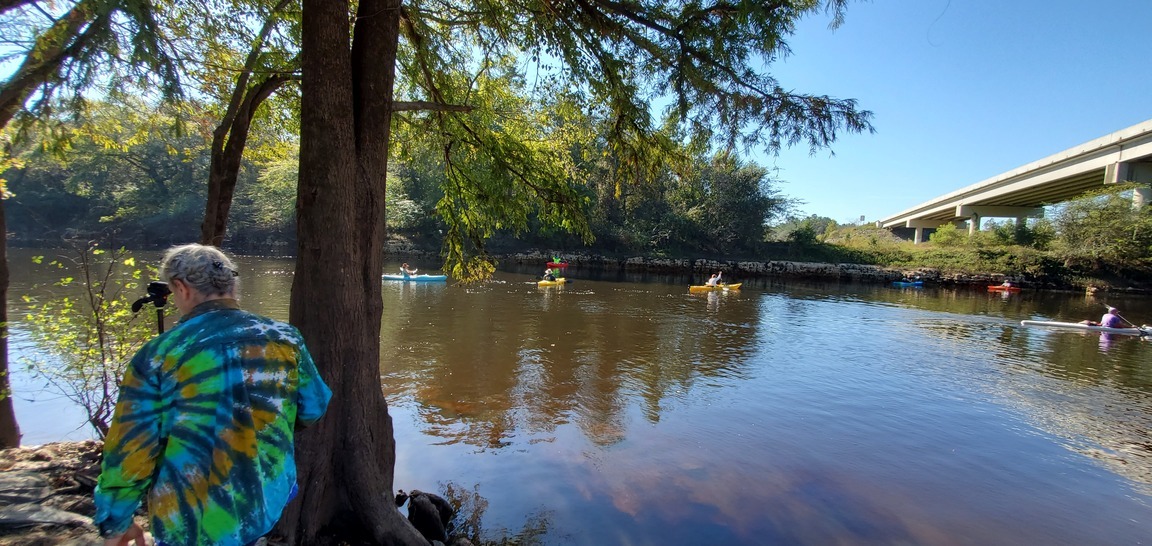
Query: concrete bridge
(1123, 156)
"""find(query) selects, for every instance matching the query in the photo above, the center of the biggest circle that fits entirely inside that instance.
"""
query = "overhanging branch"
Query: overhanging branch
(404, 106)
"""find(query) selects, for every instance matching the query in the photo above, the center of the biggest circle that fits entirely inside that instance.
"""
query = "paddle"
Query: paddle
(1143, 331)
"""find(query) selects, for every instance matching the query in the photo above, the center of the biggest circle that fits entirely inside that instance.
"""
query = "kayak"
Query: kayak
(907, 283)
(559, 281)
(1002, 288)
(558, 264)
(416, 278)
(706, 288)
(1141, 331)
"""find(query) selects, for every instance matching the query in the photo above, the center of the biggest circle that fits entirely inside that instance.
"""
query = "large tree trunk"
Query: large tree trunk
(9, 429)
(227, 151)
(346, 462)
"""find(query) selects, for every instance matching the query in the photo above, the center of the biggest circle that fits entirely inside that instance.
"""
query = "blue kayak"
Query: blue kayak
(907, 283)
(416, 278)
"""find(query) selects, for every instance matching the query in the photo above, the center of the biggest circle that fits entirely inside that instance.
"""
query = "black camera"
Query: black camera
(158, 293)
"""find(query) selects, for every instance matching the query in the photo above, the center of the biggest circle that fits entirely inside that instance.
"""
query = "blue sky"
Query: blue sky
(961, 91)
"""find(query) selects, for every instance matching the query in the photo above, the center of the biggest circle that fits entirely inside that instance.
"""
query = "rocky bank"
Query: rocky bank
(46, 499)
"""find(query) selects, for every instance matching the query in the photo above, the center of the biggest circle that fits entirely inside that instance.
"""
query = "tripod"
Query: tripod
(158, 293)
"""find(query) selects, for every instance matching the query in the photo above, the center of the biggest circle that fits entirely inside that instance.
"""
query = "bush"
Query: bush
(948, 235)
(90, 333)
(1104, 227)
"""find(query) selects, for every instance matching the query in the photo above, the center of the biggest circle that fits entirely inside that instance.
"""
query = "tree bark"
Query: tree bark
(9, 429)
(346, 462)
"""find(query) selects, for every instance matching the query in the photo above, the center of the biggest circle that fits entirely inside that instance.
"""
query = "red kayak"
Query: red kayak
(558, 264)
(1002, 288)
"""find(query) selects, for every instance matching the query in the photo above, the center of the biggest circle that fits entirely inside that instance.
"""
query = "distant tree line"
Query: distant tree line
(139, 175)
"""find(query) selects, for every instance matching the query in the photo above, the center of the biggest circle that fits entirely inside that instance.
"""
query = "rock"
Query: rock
(22, 486)
(46, 494)
(430, 514)
(25, 515)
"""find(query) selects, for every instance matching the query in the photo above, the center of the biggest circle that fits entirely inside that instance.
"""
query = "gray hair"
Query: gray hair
(204, 268)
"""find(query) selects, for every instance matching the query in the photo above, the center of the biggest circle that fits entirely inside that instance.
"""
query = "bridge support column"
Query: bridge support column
(920, 226)
(1124, 171)
(1141, 197)
(973, 224)
(1117, 172)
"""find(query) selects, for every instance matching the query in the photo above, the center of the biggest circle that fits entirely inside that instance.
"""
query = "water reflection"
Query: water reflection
(510, 360)
(622, 409)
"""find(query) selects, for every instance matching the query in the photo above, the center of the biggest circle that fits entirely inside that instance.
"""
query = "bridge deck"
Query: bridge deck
(1125, 155)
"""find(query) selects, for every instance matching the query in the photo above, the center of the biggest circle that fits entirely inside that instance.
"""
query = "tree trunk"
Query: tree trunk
(227, 151)
(346, 461)
(9, 429)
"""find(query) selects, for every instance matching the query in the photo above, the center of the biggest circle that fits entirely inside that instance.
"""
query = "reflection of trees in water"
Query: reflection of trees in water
(504, 363)
(470, 507)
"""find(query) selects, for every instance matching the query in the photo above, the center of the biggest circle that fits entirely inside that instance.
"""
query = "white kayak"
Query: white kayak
(1141, 331)
(415, 278)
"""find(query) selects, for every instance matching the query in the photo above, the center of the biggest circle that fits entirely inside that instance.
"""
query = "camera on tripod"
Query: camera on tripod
(158, 293)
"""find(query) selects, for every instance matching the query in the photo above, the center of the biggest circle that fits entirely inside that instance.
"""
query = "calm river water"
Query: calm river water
(624, 410)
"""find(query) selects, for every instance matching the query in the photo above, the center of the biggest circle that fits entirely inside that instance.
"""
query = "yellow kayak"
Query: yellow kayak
(706, 288)
(559, 281)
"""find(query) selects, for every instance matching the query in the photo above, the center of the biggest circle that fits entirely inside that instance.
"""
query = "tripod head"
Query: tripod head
(158, 293)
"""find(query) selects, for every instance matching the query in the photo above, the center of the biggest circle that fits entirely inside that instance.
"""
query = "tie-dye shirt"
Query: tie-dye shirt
(204, 426)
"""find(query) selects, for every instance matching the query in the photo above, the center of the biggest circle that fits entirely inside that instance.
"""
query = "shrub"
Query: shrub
(90, 333)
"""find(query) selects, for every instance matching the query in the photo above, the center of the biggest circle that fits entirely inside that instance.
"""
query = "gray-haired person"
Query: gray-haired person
(205, 420)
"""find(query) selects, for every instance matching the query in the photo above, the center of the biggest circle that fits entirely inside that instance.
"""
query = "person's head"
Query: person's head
(196, 273)
(1113, 311)
(404, 265)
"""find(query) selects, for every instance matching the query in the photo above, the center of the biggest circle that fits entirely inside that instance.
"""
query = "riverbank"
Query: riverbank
(798, 270)
(1042, 274)
(46, 498)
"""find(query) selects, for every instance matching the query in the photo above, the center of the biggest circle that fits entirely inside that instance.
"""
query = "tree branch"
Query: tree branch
(403, 106)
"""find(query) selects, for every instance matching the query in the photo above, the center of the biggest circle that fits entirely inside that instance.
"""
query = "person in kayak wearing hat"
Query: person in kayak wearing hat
(1111, 319)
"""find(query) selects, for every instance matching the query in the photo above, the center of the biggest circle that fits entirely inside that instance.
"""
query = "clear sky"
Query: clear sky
(961, 91)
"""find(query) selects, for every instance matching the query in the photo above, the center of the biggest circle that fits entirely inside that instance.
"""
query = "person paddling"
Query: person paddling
(714, 280)
(1111, 319)
(407, 272)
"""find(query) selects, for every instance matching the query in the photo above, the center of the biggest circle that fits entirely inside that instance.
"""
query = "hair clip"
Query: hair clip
(220, 265)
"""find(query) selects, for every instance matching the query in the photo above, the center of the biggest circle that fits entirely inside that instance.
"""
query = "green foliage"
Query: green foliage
(733, 203)
(949, 236)
(88, 333)
(67, 49)
(805, 231)
(118, 167)
(264, 208)
(501, 166)
(1104, 227)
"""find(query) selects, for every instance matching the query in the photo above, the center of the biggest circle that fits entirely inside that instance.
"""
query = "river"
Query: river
(620, 409)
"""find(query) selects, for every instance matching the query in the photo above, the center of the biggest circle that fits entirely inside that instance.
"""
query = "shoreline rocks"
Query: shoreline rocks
(822, 271)
(46, 499)
(46, 494)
